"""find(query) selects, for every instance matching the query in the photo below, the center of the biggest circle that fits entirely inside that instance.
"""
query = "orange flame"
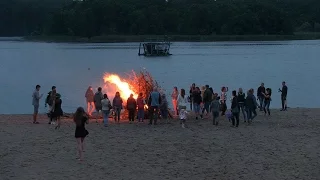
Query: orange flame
(122, 86)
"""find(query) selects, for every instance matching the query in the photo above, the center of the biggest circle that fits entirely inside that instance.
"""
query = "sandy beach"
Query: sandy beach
(282, 146)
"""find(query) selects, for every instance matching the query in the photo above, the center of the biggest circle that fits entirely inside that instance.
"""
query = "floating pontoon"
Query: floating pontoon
(155, 48)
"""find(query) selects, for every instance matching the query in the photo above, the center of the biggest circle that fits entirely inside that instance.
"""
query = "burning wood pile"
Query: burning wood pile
(135, 83)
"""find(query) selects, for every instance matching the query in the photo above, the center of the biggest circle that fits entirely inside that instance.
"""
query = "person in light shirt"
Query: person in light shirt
(182, 104)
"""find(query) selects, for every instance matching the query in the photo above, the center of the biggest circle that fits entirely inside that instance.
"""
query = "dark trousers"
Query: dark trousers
(266, 107)
(250, 112)
(261, 99)
(235, 116)
(283, 102)
(117, 114)
(153, 113)
(223, 107)
(131, 114)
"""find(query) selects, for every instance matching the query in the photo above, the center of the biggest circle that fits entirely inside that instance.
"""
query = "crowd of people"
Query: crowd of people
(202, 102)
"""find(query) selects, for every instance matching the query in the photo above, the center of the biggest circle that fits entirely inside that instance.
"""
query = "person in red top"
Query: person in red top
(141, 103)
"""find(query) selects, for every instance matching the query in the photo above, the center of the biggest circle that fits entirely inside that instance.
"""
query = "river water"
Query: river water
(72, 67)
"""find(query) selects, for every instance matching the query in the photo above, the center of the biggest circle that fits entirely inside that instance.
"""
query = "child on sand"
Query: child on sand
(183, 116)
(80, 118)
(182, 104)
(215, 109)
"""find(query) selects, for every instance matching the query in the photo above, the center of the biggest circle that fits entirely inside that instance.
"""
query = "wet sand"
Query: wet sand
(282, 146)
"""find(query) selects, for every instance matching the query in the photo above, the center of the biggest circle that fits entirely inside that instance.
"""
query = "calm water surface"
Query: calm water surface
(232, 64)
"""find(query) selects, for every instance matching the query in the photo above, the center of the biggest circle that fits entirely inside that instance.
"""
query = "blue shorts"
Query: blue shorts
(196, 108)
(35, 109)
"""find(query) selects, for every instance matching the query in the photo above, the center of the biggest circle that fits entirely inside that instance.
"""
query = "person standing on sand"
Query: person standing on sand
(49, 101)
(153, 104)
(35, 102)
(197, 100)
(90, 100)
(223, 99)
(174, 97)
(131, 107)
(57, 113)
(80, 118)
(182, 105)
(251, 105)
(284, 93)
(117, 106)
(267, 100)
(106, 107)
(215, 109)
(192, 89)
(164, 107)
(241, 100)
(141, 103)
(53, 97)
(97, 102)
(260, 96)
(235, 109)
(207, 97)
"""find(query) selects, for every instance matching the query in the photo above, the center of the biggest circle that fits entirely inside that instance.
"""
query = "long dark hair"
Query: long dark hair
(234, 93)
(78, 115)
(183, 93)
(89, 89)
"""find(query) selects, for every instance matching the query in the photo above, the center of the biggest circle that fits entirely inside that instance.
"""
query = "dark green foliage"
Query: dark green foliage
(89, 18)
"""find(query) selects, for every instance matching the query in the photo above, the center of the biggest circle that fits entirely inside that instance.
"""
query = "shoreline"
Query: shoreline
(173, 38)
(67, 114)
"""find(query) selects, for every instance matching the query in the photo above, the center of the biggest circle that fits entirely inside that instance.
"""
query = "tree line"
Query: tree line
(88, 18)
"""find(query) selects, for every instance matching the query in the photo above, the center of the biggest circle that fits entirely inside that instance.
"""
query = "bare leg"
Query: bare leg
(89, 108)
(35, 117)
(82, 144)
(80, 149)
(58, 122)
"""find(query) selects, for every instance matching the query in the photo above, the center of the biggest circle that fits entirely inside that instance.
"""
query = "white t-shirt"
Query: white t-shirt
(182, 101)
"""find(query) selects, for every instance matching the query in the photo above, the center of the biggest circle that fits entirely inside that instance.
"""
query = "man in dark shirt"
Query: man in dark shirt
(260, 96)
(284, 92)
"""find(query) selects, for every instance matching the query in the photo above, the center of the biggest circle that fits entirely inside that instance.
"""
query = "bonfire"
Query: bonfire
(134, 83)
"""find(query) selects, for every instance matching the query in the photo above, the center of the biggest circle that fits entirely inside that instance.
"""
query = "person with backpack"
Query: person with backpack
(49, 101)
(57, 111)
(106, 107)
(131, 107)
(153, 104)
(140, 103)
(97, 102)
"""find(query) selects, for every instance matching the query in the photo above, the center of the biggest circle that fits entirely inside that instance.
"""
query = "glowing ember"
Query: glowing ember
(122, 86)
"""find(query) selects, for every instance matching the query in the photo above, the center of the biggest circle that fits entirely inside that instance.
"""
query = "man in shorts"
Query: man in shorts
(35, 102)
